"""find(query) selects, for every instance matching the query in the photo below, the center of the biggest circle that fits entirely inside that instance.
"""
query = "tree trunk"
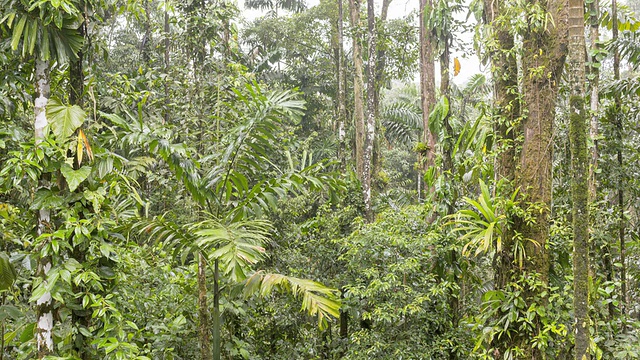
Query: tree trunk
(594, 69)
(203, 310)
(619, 141)
(165, 117)
(358, 88)
(427, 89)
(545, 51)
(44, 305)
(216, 311)
(371, 111)
(341, 79)
(579, 178)
(506, 110)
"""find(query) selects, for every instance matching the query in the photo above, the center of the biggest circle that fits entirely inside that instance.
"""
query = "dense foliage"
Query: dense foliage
(184, 180)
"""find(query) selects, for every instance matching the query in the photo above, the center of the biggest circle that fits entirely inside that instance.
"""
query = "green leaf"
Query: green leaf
(64, 119)
(7, 272)
(27, 333)
(75, 177)
(17, 33)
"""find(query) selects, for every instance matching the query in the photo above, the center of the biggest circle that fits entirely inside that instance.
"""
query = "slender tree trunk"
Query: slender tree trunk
(146, 40)
(444, 91)
(427, 87)
(203, 310)
(358, 87)
(594, 70)
(579, 178)
(371, 111)
(82, 317)
(341, 79)
(619, 140)
(216, 310)
(44, 305)
(167, 43)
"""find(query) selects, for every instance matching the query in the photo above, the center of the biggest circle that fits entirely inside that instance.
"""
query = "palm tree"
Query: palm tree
(228, 237)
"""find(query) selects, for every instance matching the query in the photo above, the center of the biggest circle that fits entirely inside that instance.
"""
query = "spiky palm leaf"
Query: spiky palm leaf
(628, 46)
(317, 299)
(402, 121)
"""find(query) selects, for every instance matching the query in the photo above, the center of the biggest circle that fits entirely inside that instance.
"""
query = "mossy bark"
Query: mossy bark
(579, 178)
(427, 86)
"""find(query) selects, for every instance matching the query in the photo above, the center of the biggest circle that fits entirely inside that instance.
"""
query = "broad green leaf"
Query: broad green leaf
(27, 333)
(64, 119)
(75, 177)
(7, 272)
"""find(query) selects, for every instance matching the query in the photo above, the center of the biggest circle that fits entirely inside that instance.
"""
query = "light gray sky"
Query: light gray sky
(469, 62)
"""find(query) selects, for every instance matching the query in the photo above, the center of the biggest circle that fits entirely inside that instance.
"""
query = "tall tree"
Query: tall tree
(506, 110)
(370, 133)
(358, 87)
(544, 54)
(427, 83)
(619, 138)
(341, 80)
(579, 178)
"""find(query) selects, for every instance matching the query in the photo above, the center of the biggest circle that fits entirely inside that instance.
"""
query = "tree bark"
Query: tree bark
(216, 310)
(203, 310)
(544, 53)
(579, 178)
(545, 50)
(594, 70)
(167, 43)
(506, 110)
(341, 79)
(427, 88)
(371, 111)
(619, 145)
(358, 87)
(44, 305)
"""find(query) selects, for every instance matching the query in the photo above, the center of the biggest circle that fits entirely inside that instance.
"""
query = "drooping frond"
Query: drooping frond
(317, 299)
(628, 86)
(628, 46)
(402, 121)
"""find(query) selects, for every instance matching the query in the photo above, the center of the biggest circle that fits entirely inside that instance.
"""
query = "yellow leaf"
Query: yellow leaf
(85, 141)
(79, 149)
(456, 67)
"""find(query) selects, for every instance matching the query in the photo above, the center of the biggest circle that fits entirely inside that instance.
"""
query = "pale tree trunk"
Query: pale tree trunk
(371, 111)
(427, 88)
(44, 305)
(341, 79)
(358, 87)
(619, 140)
(579, 178)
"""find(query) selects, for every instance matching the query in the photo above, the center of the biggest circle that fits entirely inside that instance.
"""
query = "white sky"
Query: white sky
(470, 63)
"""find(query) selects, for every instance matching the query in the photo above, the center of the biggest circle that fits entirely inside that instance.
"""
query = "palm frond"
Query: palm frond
(317, 299)
(402, 122)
